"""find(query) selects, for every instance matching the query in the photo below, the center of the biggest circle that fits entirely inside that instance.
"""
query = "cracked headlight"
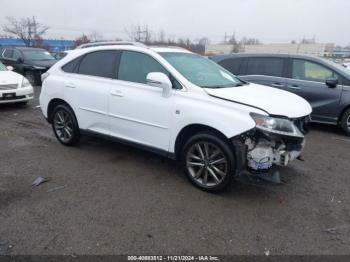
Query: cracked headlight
(25, 82)
(276, 125)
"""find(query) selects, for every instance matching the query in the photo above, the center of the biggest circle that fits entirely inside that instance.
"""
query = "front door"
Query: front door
(308, 81)
(138, 112)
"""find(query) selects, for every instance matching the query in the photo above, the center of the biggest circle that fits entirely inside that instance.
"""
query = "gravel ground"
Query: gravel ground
(107, 198)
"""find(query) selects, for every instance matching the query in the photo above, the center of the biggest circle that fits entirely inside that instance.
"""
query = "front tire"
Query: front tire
(209, 162)
(65, 125)
(345, 122)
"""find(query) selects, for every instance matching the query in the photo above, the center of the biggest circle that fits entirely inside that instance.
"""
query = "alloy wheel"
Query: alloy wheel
(207, 164)
(63, 126)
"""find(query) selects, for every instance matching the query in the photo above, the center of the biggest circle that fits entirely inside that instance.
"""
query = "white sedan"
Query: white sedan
(14, 88)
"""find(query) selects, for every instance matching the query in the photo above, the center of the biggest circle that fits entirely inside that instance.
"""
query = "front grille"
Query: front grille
(11, 98)
(8, 86)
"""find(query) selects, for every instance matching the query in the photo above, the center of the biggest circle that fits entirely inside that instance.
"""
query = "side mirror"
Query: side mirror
(332, 82)
(10, 68)
(160, 80)
(19, 60)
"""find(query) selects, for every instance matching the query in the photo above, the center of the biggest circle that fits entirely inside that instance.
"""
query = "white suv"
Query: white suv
(178, 104)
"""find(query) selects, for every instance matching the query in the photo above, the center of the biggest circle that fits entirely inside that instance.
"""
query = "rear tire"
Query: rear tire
(65, 125)
(209, 161)
(345, 122)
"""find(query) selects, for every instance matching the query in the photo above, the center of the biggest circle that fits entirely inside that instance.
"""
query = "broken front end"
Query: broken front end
(273, 141)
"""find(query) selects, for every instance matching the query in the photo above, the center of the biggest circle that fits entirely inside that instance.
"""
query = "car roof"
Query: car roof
(157, 49)
(25, 48)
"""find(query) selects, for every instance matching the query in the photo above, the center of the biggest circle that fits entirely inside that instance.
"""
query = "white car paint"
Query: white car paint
(11, 82)
(272, 100)
(141, 113)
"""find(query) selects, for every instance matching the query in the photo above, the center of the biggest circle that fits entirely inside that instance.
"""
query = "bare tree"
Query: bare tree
(27, 29)
(95, 36)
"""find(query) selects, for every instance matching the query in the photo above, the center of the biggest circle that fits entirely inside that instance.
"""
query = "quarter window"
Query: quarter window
(99, 63)
(135, 66)
(265, 66)
(305, 70)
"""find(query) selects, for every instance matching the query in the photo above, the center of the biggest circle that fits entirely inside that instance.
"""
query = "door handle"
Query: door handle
(296, 87)
(277, 85)
(70, 85)
(117, 93)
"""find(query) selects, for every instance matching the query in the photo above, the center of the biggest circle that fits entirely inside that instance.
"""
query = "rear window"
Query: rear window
(99, 63)
(265, 66)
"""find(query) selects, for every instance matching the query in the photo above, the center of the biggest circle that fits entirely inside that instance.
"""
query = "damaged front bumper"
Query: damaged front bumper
(260, 151)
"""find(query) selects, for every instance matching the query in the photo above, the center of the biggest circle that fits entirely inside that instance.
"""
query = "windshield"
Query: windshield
(2, 67)
(37, 55)
(201, 71)
(340, 68)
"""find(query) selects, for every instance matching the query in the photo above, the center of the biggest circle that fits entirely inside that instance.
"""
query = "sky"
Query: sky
(271, 21)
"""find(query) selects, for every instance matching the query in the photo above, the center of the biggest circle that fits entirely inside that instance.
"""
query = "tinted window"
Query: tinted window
(72, 66)
(265, 66)
(134, 67)
(232, 65)
(8, 53)
(100, 63)
(305, 70)
(16, 54)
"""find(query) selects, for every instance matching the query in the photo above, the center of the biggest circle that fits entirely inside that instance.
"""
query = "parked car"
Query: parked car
(178, 104)
(324, 84)
(14, 88)
(27, 61)
(347, 65)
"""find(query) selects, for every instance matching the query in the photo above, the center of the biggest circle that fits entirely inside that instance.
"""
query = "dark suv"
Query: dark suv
(30, 62)
(324, 84)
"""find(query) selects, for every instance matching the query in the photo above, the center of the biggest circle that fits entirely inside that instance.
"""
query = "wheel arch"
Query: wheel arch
(190, 130)
(342, 112)
(52, 104)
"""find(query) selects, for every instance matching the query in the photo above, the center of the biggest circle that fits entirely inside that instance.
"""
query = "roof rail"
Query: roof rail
(106, 43)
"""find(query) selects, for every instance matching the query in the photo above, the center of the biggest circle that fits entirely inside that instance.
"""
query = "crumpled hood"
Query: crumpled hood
(10, 78)
(272, 100)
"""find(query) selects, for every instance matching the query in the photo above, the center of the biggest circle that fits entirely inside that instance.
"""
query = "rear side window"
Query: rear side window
(232, 65)
(265, 66)
(99, 63)
(135, 66)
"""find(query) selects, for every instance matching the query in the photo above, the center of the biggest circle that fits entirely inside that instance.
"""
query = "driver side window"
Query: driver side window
(309, 71)
(135, 66)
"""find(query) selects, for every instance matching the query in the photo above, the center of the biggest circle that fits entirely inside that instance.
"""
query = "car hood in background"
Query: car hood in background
(271, 100)
(10, 78)
(42, 63)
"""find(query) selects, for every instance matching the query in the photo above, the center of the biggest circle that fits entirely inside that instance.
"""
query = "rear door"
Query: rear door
(88, 87)
(270, 71)
(307, 79)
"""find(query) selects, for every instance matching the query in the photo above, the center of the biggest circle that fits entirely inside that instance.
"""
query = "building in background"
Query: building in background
(315, 49)
(52, 45)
